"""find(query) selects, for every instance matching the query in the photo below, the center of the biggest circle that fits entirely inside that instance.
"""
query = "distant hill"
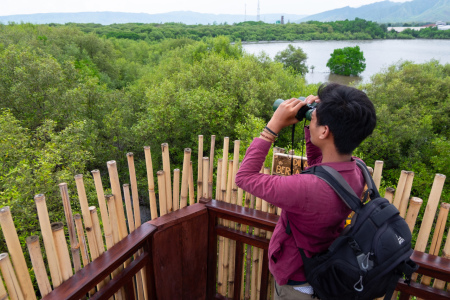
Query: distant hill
(107, 18)
(390, 12)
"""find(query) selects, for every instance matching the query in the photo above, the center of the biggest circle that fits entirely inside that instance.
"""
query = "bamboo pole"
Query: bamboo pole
(128, 206)
(97, 230)
(12, 284)
(211, 167)
(413, 211)
(109, 239)
(118, 200)
(92, 243)
(49, 243)
(81, 239)
(162, 193)
(406, 194)
(3, 293)
(151, 183)
(219, 178)
(224, 169)
(34, 248)
(74, 246)
(167, 176)
(232, 243)
(176, 189)
(191, 184)
(185, 177)
(227, 242)
(15, 250)
(134, 190)
(389, 194)
(234, 187)
(61, 250)
(437, 236)
(400, 188)
(430, 212)
(200, 168)
(440, 284)
(221, 238)
(249, 274)
(205, 177)
(378, 169)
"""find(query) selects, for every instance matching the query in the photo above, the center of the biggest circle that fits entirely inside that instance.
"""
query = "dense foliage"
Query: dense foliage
(70, 101)
(347, 61)
(293, 58)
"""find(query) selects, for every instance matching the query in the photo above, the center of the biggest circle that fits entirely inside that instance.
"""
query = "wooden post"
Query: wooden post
(437, 236)
(205, 176)
(400, 188)
(12, 284)
(176, 189)
(430, 212)
(92, 243)
(110, 200)
(118, 200)
(191, 184)
(185, 177)
(81, 239)
(389, 194)
(49, 243)
(109, 239)
(439, 284)
(151, 183)
(378, 169)
(15, 250)
(97, 230)
(406, 194)
(128, 206)
(413, 211)
(134, 190)
(200, 168)
(34, 248)
(3, 293)
(211, 167)
(223, 184)
(168, 179)
(74, 246)
(61, 250)
(219, 179)
(162, 193)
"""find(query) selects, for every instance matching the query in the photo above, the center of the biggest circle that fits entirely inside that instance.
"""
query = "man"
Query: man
(343, 118)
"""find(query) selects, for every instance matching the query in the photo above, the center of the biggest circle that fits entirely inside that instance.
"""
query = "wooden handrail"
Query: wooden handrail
(87, 278)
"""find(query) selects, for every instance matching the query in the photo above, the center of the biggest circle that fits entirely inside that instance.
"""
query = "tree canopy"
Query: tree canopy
(294, 58)
(347, 61)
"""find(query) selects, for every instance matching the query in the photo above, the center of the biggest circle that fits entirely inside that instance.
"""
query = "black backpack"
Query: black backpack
(371, 254)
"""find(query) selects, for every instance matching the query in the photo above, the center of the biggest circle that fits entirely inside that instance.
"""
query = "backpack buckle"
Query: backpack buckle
(354, 245)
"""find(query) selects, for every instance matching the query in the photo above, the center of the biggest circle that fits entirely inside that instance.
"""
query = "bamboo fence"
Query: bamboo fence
(90, 235)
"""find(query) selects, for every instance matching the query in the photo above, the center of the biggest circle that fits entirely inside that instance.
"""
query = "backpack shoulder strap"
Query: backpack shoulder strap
(373, 191)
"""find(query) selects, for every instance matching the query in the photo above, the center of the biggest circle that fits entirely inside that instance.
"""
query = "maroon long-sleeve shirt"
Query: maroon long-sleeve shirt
(315, 211)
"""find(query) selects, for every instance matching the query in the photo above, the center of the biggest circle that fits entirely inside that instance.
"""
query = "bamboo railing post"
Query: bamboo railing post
(406, 194)
(12, 284)
(74, 246)
(234, 188)
(151, 183)
(81, 239)
(97, 230)
(134, 190)
(200, 168)
(219, 179)
(185, 177)
(205, 177)
(389, 194)
(109, 239)
(220, 238)
(128, 206)
(400, 188)
(118, 200)
(440, 284)
(61, 250)
(176, 189)
(162, 193)
(92, 243)
(413, 211)
(3, 293)
(211, 167)
(49, 243)
(34, 248)
(15, 250)
(191, 184)
(377, 170)
(223, 184)
(167, 176)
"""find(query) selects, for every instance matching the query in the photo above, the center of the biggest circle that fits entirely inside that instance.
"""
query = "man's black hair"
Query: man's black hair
(348, 113)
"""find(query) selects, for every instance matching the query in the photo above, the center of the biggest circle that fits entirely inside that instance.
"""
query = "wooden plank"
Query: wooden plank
(282, 164)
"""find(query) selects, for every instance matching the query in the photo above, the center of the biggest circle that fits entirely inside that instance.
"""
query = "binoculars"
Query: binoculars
(303, 113)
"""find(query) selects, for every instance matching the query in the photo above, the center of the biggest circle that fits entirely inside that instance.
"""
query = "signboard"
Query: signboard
(282, 164)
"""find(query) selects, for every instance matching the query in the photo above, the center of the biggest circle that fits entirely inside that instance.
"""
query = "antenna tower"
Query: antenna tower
(245, 13)
(258, 16)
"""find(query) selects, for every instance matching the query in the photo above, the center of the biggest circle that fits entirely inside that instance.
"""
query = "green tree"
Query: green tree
(293, 58)
(347, 61)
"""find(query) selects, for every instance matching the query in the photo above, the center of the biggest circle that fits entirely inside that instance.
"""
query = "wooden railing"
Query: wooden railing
(179, 256)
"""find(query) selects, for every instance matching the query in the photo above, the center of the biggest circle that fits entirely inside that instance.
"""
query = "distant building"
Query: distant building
(282, 19)
(400, 29)
(442, 25)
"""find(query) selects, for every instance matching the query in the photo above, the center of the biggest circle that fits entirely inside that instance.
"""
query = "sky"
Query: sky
(300, 7)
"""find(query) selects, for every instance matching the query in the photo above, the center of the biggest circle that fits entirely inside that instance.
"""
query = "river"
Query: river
(379, 54)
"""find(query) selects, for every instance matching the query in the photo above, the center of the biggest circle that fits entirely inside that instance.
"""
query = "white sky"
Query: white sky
(307, 7)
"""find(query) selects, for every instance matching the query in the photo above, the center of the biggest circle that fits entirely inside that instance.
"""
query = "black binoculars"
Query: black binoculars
(304, 112)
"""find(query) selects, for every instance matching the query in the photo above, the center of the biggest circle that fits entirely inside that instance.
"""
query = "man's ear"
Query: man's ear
(324, 132)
